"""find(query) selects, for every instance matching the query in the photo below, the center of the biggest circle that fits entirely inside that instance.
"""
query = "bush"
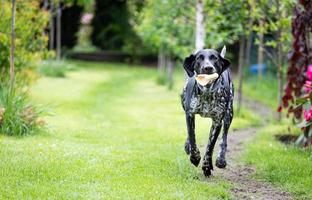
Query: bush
(54, 68)
(30, 43)
(17, 116)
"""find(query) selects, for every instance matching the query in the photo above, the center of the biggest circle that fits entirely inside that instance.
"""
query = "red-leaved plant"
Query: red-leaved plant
(297, 95)
(305, 103)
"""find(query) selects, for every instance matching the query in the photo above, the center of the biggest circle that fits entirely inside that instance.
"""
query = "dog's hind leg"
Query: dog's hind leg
(190, 145)
(214, 133)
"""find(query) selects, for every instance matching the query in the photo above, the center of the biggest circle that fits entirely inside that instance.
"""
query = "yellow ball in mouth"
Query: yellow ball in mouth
(204, 79)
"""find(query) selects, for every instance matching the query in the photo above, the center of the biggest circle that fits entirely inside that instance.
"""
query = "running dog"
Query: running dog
(213, 100)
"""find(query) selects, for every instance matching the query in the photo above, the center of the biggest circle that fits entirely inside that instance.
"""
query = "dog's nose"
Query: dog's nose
(208, 68)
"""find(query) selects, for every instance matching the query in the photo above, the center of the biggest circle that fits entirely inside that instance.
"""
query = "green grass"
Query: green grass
(286, 166)
(114, 134)
(263, 91)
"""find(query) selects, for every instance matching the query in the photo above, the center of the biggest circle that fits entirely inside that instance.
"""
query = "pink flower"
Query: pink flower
(309, 73)
(86, 18)
(307, 86)
(307, 114)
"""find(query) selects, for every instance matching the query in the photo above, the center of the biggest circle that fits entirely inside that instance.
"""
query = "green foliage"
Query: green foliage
(30, 41)
(111, 27)
(168, 24)
(225, 21)
(277, 15)
(17, 116)
(55, 68)
(70, 19)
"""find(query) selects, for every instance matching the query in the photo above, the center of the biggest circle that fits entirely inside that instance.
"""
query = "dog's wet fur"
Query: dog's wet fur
(214, 100)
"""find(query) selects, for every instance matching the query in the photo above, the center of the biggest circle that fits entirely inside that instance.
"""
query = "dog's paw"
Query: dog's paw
(187, 147)
(221, 163)
(206, 170)
(207, 166)
(195, 156)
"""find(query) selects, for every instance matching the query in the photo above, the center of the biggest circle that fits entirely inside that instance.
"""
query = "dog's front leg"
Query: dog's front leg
(190, 145)
(214, 133)
(221, 162)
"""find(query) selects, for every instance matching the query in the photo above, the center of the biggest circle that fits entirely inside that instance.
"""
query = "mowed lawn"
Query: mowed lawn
(113, 133)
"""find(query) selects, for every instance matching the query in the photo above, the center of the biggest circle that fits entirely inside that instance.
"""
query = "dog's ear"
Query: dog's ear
(225, 63)
(222, 54)
(189, 65)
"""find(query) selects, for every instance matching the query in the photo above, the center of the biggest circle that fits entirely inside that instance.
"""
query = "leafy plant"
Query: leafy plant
(297, 96)
(54, 68)
(305, 103)
(300, 56)
(30, 42)
(17, 116)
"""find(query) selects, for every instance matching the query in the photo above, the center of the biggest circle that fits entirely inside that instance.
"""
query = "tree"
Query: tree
(12, 46)
(200, 26)
(230, 21)
(30, 43)
(65, 14)
(71, 15)
(58, 31)
(51, 26)
(111, 27)
(168, 27)
(277, 22)
(260, 49)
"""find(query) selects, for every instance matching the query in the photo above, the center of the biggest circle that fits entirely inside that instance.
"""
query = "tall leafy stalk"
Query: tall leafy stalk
(12, 46)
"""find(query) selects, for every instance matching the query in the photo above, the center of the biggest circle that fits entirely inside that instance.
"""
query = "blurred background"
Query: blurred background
(95, 85)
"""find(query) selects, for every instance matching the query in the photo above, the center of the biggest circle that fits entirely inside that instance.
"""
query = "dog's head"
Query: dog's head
(206, 61)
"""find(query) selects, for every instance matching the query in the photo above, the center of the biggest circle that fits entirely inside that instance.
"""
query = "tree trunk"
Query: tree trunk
(200, 27)
(260, 50)
(52, 28)
(170, 65)
(45, 4)
(2, 9)
(279, 78)
(1, 17)
(240, 72)
(249, 41)
(58, 31)
(12, 46)
(279, 66)
(161, 62)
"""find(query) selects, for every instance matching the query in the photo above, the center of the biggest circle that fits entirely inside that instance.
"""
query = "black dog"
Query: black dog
(214, 100)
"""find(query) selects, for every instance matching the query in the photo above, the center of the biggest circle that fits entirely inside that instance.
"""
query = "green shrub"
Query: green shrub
(30, 42)
(55, 68)
(17, 116)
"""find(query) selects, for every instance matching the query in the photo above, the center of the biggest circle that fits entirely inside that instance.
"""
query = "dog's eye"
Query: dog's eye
(212, 57)
(200, 57)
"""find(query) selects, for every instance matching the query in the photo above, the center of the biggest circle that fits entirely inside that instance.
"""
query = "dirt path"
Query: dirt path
(245, 187)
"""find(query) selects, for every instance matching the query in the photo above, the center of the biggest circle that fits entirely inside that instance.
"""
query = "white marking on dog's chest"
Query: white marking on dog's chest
(209, 103)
